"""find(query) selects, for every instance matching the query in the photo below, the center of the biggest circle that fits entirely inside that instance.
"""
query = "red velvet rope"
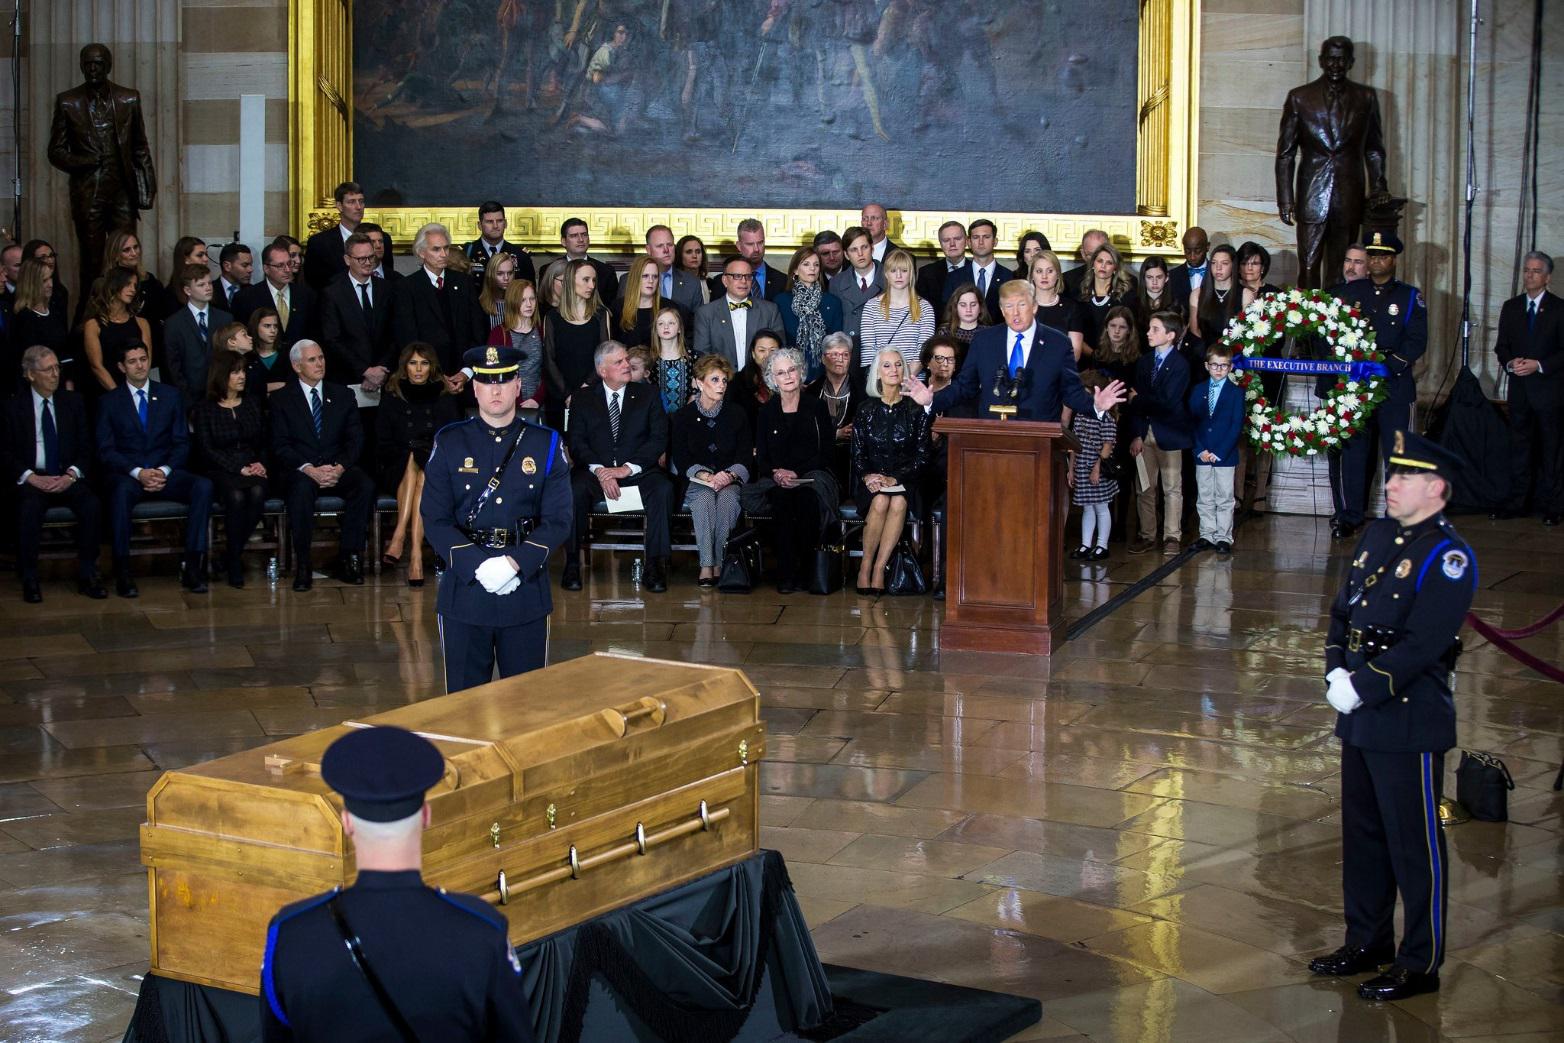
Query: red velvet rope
(1502, 639)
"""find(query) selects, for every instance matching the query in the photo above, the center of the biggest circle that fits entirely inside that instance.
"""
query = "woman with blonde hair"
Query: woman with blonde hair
(497, 278)
(640, 300)
(35, 324)
(891, 449)
(1053, 308)
(123, 253)
(899, 318)
(521, 328)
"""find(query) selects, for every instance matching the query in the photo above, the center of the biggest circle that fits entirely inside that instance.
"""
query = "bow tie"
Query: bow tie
(738, 306)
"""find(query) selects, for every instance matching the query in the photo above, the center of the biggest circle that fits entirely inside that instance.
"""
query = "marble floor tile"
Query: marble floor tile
(1095, 882)
(929, 894)
(1261, 920)
(801, 844)
(1045, 800)
(912, 855)
(1060, 839)
(1209, 961)
(1047, 916)
(97, 792)
(835, 780)
(130, 731)
(872, 817)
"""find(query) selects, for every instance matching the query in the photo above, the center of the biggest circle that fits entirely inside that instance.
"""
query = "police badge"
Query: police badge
(529, 465)
(1394, 310)
(1404, 569)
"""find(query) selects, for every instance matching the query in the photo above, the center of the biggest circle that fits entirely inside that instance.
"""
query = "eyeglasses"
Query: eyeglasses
(277, 264)
(737, 276)
(1219, 365)
(361, 258)
(951, 359)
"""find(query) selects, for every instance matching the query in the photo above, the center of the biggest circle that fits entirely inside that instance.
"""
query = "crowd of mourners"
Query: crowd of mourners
(723, 387)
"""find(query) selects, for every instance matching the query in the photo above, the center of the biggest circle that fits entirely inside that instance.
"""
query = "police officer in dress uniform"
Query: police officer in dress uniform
(389, 957)
(1389, 657)
(496, 504)
(1399, 317)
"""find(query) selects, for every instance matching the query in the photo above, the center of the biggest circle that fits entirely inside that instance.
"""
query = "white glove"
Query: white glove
(1342, 695)
(1340, 671)
(494, 574)
(510, 587)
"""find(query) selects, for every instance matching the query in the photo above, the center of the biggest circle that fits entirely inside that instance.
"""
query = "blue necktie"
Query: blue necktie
(1215, 393)
(759, 284)
(1531, 315)
(982, 282)
(141, 407)
(668, 284)
(1015, 357)
(315, 409)
(51, 441)
(201, 325)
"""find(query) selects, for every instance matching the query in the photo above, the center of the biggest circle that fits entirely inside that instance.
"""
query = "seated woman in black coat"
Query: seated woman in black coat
(793, 446)
(230, 443)
(414, 406)
(891, 449)
(713, 448)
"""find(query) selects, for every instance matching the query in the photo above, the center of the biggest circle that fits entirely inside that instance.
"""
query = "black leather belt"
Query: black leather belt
(1372, 640)
(499, 539)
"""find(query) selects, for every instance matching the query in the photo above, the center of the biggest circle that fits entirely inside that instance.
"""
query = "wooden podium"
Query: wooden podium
(1005, 508)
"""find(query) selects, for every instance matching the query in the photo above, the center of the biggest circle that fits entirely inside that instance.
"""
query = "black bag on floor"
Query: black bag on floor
(903, 574)
(740, 564)
(825, 573)
(1482, 785)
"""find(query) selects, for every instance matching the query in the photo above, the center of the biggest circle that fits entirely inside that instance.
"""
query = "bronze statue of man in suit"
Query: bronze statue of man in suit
(99, 139)
(1335, 124)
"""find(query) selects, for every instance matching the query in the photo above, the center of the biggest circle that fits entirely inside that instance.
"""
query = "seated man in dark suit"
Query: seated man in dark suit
(324, 250)
(618, 432)
(144, 445)
(437, 306)
(187, 334)
(492, 223)
(1039, 359)
(294, 301)
(316, 440)
(46, 449)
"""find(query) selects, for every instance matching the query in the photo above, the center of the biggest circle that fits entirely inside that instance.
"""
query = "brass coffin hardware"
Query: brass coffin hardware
(494, 834)
(704, 821)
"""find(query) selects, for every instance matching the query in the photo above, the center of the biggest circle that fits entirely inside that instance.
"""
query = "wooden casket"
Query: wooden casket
(568, 792)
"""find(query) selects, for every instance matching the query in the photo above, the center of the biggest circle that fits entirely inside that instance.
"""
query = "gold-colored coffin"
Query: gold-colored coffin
(588, 785)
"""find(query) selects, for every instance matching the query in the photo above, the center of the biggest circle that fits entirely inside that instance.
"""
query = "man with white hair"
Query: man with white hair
(389, 957)
(317, 439)
(438, 307)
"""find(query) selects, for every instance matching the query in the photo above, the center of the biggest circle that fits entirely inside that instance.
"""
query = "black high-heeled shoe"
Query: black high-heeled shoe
(390, 560)
(411, 582)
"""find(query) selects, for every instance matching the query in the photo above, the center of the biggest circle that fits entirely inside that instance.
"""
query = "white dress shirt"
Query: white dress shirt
(38, 456)
(739, 317)
(135, 404)
(878, 249)
(608, 396)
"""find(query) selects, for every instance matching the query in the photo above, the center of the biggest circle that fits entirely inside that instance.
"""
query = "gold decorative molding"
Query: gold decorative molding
(1167, 156)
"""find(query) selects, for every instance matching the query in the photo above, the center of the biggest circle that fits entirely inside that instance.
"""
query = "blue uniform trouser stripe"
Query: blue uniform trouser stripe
(1392, 843)
(472, 651)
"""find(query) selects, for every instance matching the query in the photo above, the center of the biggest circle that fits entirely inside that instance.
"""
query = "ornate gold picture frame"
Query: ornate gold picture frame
(320, 89)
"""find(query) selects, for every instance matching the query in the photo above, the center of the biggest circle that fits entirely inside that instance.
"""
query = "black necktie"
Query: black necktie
(613, 414)
(51, 441)
(1531, 315)
(363, 296)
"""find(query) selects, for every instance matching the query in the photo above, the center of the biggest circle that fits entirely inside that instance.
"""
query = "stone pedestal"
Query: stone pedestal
(1301, 484)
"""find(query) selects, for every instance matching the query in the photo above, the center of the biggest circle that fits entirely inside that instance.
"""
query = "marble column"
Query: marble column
(1410, 52)
(144, 38)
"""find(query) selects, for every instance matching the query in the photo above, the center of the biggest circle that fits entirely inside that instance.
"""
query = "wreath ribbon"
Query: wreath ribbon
(1312, 367)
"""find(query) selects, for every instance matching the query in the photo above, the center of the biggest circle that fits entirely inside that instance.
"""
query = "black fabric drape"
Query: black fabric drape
(1472, 427)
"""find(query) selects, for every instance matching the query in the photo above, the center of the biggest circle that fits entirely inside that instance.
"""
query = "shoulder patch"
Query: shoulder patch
(1453, 564)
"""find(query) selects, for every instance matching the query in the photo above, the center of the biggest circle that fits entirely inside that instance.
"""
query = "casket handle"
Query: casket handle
(642, 712)
(705, 820)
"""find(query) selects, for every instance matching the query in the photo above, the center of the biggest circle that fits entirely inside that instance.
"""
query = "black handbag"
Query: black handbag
(825, 573)
(1482, 785)
(740, 564)
(903, 574)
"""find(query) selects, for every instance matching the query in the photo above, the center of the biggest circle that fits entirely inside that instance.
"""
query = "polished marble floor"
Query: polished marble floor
(1142, 832)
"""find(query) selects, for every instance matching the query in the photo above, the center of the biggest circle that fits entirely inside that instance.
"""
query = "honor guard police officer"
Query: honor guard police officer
(496, 504)
(1389, 658)
(1399, 317)
(389, 958)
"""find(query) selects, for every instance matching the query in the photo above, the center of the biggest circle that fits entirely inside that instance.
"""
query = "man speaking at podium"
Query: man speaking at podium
(1022, 364)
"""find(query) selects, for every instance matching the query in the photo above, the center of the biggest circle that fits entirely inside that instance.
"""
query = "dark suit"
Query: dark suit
(477, 252)
(1536, 402)
(968, 274)
(226, 294)
(1337, 141)
(125, 445)
(1050, 384)
(449, 319)
(845, 287)
(341, 440)
(303, 314)
(768, 282)
(1160, 406)
(325, 257)
(1181, 284)
(643, 437)
(355, 340)
(75, 451)
(1216, 431)
(714, 328)
(930, 283)
(186, 352)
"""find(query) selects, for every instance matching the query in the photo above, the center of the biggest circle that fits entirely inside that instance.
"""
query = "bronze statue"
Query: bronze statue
(1335, 124)
(99, 139)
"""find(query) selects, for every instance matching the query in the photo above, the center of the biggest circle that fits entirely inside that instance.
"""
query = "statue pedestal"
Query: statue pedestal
(1301, 484)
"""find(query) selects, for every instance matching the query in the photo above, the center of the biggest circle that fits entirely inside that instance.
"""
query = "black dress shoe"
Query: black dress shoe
(571, 580)
(1349, 960)
(303, 577)
(1398, 983)
(1224, 548)
(1550, 520)
(1203, 544)
(32, 593)
(657, 576)
(1098, 554)
(786, 586)
(351, 569)
(192, 574)
(1080, 553)
(125, 587)
(91, 587)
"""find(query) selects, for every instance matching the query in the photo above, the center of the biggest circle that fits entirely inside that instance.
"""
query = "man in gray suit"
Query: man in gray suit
(187, 334)
(862, 280)
(677, 285)
(727, 326)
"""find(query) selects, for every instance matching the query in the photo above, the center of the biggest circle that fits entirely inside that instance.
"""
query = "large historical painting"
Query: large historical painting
(922, 104)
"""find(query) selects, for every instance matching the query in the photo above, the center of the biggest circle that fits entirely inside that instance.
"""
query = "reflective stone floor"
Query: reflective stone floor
(1141, 832)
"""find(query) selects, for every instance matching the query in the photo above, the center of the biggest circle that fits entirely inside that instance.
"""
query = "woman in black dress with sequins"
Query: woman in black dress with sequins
(890, 452)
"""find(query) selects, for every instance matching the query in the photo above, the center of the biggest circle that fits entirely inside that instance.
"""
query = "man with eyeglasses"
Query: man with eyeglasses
(294, 302)
(355, 322)
(728, 325)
